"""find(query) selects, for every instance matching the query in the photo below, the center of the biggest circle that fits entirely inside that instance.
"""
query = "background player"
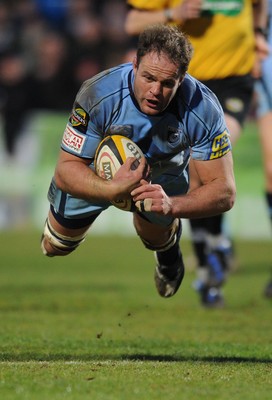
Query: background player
(224, 43)
(264, 117)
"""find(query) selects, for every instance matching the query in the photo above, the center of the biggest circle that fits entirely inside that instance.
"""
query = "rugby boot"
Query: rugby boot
(169, 271)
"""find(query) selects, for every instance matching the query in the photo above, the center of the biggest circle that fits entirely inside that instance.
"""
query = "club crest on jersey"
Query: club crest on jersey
(220, 145)
(79, 118)
(173, 135)
(175, 138)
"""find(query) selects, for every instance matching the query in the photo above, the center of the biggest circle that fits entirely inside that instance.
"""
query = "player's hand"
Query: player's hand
(128, 177)
(189, 9)
(152, 197)
(262, 51)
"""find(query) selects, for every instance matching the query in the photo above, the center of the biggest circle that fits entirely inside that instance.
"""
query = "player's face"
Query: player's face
(156, 82)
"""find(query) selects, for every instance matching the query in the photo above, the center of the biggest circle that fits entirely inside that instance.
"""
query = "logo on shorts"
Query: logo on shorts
(234, 105)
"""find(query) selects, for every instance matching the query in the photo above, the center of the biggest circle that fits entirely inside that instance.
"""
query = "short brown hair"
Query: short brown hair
(166, 39)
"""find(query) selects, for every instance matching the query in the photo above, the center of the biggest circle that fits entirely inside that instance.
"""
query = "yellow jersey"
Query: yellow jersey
(222, 38)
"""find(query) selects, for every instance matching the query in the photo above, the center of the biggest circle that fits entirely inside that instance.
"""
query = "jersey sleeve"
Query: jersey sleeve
(96, 106)
(84, 129)
(148, 5)
(206, 127)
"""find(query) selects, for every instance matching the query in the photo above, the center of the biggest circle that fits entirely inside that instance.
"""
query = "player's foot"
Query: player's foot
(210, 280)
(224, 250)
(268, 290)
(212, 297)
(169, 270)
(216, 269)
(168, 278)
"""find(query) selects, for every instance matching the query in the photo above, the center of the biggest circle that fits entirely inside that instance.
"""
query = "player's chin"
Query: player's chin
(151, 109)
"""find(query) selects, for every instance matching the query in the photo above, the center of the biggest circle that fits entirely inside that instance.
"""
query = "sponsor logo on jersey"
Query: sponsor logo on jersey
(220, 145)
(226, 7)
(79, 118)
(73, 140)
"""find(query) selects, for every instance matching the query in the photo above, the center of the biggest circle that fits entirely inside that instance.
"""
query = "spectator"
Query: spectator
(53, 86)
(14, 98)
(264, 118)
(47, 49)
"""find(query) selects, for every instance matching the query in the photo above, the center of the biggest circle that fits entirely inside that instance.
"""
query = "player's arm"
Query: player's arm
(260, 16)
(138, 19)
(260, 12)
(216, 191)
(215, 195)
(74, 176)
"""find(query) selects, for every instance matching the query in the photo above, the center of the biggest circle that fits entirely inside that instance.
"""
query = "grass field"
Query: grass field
(91, 326)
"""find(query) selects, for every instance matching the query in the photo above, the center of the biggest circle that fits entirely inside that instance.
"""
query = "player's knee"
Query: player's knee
(55, 244)
(51, 250)
(173, 236)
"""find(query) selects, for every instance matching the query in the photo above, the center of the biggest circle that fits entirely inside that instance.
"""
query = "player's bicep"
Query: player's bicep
(210, 170)
(65, 157)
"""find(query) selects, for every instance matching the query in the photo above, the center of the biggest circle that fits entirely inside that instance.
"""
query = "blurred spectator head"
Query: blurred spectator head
(12, 69)
(86, 68)
(51, 52)
(53, 11)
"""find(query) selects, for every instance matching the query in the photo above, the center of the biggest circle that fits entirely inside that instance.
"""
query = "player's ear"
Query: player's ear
(181, 80)
(135, 63)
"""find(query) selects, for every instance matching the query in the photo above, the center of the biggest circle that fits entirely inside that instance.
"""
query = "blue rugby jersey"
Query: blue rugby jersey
(191, 126)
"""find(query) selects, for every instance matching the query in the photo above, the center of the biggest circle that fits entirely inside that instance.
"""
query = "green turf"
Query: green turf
(91, 326)
(248, 161)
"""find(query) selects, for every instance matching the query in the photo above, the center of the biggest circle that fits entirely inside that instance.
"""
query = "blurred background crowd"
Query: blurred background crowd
(47, 49)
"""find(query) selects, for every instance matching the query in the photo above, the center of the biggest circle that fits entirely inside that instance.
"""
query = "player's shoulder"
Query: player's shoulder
(196, 95)
(192, 87)
(105, 84)
(202, 109)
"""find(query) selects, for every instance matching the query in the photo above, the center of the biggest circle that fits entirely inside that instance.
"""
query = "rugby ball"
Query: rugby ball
(111, 153)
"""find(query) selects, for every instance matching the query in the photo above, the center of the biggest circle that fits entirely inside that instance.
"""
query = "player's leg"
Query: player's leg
(213, 248)
(263, 88)
(210, 248)
(61, 236)
(265, 128)
(68, 221)
(163, 240)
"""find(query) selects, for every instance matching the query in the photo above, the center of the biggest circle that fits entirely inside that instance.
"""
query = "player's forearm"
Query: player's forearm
(80, 181)
(185, 10)
(205, 201)
(260, 13)
(136, 20)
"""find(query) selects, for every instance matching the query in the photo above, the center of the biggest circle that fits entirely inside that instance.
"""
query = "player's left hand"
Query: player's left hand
(151, 197)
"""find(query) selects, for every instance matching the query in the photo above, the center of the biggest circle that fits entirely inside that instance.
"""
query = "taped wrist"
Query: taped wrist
(175, 233)
(63, 244)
